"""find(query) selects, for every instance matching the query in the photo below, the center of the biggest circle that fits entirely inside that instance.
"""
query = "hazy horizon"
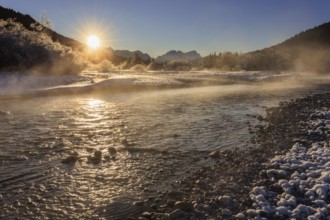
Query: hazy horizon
(157, 27)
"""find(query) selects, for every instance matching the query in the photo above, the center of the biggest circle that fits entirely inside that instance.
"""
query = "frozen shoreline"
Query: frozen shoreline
(265, 181)
(297, 184)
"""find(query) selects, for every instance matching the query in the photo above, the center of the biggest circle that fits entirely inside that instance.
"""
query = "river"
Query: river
(148, 140)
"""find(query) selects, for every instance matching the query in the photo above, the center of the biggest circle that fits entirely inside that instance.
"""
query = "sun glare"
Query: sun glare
(93, 41)
(94, 102)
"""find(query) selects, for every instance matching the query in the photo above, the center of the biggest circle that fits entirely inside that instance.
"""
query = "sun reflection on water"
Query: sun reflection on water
(94, 102)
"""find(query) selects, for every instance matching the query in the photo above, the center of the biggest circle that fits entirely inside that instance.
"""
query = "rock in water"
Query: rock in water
(214, 154)
(71, 159)
(96, 158)
(112, 150)
(4, 113)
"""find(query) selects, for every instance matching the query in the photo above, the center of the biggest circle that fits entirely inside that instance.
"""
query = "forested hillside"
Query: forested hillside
(307, 51)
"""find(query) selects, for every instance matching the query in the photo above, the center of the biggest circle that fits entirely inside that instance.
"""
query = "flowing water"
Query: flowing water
(159, 136)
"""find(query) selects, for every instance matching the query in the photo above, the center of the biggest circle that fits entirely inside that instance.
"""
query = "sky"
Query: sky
(157, 26)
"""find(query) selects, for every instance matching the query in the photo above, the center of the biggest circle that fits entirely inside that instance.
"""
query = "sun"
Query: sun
(93, 41)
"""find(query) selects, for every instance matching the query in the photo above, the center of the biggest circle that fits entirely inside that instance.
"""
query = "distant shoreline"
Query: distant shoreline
(22, 86)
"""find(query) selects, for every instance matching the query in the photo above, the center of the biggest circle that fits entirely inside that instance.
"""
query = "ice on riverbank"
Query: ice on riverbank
(297, 184)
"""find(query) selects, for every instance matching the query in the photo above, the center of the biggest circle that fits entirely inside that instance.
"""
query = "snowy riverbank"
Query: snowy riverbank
(268, 181)
(297, 184)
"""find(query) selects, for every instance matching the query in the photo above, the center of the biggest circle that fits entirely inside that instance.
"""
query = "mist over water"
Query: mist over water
(159, 136)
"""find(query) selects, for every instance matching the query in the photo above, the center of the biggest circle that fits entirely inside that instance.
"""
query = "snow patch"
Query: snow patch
(301, 178)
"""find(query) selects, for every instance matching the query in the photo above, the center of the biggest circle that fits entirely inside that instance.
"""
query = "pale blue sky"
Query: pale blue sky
(156, 27)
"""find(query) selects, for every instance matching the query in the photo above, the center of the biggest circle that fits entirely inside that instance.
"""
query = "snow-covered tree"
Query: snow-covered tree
(34, 51)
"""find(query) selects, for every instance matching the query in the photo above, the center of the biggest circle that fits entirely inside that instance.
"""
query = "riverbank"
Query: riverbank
(260, 181)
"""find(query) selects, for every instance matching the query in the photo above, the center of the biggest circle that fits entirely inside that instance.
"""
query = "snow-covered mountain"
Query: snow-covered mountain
(177, 55)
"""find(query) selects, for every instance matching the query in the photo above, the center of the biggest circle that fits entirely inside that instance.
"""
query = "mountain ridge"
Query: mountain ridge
(130, 54)
(178, 55)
